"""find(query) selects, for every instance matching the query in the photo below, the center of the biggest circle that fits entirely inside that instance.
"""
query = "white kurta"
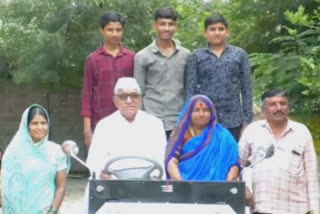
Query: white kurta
(115, 136)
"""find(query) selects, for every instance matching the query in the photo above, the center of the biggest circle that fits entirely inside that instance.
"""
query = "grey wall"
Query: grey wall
(64, 110)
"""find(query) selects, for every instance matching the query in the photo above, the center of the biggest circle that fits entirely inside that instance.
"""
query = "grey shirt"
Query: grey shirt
(162, 82)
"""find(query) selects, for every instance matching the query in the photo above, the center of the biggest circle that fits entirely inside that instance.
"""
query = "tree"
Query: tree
(46, 42)
(296, 67)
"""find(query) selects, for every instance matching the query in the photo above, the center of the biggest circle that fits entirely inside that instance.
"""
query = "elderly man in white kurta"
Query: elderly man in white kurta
(127, 132)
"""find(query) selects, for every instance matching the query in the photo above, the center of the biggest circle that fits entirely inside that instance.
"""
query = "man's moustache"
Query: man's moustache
(278, 113)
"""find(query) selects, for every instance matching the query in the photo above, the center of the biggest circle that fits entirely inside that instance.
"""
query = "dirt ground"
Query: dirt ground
(73, 201)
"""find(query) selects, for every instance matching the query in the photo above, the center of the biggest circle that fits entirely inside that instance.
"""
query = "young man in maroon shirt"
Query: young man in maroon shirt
(102, 70)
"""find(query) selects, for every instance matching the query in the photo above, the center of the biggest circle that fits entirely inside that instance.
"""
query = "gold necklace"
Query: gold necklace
(192, 132)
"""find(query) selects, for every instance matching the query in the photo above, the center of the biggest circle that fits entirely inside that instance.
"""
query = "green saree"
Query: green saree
(29, 172)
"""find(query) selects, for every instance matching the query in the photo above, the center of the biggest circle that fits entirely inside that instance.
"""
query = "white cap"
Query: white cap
(126, 83)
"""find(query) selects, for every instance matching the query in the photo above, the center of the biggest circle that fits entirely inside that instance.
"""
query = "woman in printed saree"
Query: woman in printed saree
(34, 169)
(200, 148)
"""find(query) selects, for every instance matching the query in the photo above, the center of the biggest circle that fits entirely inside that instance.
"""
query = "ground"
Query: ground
(73, 201)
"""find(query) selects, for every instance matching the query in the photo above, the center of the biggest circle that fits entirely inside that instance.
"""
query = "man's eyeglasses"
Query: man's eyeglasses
(124, 96)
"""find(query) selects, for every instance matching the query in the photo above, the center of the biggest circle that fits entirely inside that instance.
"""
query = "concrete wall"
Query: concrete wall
(63, 108)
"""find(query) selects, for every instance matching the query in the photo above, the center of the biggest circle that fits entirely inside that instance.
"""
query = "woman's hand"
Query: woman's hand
(61, 179)
(174, 171)
(233, 174)
(52, 211)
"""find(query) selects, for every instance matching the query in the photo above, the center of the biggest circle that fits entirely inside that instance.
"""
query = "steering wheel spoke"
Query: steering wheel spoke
(134, 172)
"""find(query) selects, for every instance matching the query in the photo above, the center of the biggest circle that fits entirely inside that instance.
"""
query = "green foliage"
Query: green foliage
(312, 121)
(254, 23)
(34, 36)
(296, 66)
(47, 42)
(191, 29)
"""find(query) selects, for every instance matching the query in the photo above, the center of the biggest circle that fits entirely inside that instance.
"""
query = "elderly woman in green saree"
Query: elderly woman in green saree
(34, 169)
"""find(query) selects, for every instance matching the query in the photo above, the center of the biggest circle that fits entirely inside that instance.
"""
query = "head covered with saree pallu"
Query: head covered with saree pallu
(208, 156)
(29, 170)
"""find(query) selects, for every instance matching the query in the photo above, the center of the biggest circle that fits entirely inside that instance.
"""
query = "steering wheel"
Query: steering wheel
(135, 172)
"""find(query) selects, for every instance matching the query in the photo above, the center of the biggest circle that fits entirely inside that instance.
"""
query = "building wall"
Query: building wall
(63, 108)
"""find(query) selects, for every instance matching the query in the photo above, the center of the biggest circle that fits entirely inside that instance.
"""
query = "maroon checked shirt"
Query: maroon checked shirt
(102, 71)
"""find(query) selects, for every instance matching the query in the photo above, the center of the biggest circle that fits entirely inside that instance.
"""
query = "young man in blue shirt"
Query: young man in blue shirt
(222, 72)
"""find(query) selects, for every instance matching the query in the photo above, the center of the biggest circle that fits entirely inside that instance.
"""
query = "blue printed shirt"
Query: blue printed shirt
(226, 80)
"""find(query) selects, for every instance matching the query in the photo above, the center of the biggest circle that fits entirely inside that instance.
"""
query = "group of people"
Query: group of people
(168, 73)
(201, 149)
(191, 112)
(204, 100)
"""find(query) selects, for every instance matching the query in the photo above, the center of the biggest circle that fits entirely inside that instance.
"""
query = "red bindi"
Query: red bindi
(201, 105)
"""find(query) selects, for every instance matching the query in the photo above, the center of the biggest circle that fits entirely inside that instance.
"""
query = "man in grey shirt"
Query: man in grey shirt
(160, 71)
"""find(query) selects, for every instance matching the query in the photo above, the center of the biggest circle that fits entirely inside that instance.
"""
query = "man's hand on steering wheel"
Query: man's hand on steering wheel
(105, 176)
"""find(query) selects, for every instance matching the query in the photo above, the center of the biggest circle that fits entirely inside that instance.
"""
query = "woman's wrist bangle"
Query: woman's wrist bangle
(55, 211)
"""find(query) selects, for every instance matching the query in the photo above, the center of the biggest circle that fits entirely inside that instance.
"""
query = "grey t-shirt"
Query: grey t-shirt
(162, 82)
